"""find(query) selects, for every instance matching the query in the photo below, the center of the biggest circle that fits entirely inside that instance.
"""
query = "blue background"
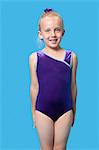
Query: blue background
(19, 20)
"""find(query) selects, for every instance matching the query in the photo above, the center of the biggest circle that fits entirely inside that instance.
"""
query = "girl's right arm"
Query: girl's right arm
(34, 82)
(74, 84)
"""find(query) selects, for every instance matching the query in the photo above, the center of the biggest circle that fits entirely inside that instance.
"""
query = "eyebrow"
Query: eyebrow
(54, 28)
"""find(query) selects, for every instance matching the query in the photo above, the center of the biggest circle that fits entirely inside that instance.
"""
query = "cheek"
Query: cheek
(45, 36)
(59, 35)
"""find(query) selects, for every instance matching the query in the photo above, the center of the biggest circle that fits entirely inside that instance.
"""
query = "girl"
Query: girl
(53, 84)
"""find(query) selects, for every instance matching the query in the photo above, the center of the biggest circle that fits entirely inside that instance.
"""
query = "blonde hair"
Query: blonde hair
(49, 13)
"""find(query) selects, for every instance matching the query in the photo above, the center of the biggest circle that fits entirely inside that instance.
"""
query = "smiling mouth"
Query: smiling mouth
(53, 40)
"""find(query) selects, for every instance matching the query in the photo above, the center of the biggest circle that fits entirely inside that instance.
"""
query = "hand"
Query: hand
(73, 118)
(34, 120)
(73, 121)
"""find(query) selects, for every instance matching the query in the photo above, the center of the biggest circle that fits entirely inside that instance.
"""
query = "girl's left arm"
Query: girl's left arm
(73, 83)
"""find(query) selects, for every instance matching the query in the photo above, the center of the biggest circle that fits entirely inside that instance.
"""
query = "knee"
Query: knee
(46, 147)
(59, 147)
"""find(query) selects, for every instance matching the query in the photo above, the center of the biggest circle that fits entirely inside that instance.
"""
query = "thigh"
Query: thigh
(45, 128)
(62, 129)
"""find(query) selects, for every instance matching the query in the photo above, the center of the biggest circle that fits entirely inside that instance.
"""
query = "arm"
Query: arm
(73, 83)
(34, 82)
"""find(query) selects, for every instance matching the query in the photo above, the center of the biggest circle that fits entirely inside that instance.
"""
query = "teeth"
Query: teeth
(54, 40)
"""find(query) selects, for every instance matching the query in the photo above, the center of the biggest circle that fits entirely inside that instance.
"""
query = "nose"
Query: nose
(52, 33)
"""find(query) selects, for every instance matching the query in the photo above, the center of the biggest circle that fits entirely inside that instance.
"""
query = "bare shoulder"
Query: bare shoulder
(74, 58)
(32, 65)
(32, 58)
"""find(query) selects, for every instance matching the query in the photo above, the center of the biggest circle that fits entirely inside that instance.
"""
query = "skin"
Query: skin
(51, 28)
(52, 135)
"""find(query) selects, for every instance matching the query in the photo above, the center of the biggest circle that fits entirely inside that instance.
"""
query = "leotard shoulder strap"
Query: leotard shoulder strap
(68, 57)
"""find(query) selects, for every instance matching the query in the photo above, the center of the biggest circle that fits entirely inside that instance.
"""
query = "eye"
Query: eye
(47, 30)
(58, 29)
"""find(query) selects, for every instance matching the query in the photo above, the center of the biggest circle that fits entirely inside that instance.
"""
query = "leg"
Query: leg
(62, 130)
(44, 126)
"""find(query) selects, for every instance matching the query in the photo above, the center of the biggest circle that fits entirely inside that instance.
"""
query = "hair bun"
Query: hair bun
(48, 10)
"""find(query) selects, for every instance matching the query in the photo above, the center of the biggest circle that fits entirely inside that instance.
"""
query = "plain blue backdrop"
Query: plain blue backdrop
(19, 26)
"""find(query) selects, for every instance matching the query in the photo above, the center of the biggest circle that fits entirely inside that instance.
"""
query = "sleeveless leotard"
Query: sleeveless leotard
(54, 78)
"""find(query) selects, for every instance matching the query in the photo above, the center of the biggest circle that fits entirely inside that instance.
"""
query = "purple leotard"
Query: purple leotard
(54, 78)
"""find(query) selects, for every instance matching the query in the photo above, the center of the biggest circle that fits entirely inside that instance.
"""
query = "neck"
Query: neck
(47, 49)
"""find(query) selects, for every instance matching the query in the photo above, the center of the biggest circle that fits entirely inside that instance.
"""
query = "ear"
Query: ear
(40, 35)
(63, 32)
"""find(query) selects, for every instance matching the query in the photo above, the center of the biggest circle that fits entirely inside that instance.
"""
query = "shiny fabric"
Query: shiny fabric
(54, 78)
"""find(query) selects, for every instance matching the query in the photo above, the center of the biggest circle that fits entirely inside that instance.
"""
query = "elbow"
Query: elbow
(74, 90)
(33, 89)
(73, 86)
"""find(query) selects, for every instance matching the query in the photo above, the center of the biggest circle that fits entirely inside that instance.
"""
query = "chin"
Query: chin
(54, 46)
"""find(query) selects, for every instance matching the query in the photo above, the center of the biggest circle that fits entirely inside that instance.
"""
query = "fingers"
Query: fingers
(73, 119)
(34, 120)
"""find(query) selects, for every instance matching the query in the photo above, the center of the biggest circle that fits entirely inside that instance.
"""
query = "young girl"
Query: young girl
(53, 84)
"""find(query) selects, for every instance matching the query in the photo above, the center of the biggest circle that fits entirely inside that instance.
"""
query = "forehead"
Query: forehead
(50, 21)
